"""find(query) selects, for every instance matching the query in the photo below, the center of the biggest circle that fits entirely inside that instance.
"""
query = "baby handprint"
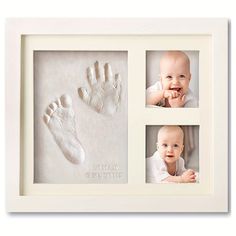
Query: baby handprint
(104, 92)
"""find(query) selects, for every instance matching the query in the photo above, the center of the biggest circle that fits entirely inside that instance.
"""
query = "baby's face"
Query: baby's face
(175, 74)
(170, 145)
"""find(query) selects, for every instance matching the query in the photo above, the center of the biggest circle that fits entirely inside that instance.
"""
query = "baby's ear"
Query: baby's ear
(190, 76)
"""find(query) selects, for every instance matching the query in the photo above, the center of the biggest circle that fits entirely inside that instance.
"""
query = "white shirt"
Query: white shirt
(156, 169)
(190, 100)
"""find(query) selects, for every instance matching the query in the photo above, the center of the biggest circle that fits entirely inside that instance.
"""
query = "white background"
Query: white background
(116, 224)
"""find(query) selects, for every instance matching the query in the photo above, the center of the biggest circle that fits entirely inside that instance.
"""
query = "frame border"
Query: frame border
(16, 28)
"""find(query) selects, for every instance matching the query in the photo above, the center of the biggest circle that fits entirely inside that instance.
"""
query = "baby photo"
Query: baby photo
(80, 117)
(172, 79)
(172, 154)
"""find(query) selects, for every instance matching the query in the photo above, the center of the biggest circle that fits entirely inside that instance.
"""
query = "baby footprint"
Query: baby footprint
(60, 119)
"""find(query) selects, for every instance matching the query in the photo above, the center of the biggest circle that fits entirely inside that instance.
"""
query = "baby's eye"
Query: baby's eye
(182, 76)
(169, 77)
(176, 145)
(164, 145)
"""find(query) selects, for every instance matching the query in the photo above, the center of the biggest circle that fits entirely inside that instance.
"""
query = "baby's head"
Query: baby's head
(175, 71)
(170, 143)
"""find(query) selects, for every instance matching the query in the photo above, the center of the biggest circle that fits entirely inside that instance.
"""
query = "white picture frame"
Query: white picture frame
(136, 36)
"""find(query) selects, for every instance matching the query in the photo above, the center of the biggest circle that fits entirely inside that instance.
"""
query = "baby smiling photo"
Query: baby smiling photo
(172, 79)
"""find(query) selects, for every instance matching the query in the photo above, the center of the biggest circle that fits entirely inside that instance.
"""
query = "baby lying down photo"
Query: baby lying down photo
(166, 164)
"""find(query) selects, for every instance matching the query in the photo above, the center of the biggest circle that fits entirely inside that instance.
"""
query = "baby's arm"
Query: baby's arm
(187, 177)
(155, 97)
(177, 102)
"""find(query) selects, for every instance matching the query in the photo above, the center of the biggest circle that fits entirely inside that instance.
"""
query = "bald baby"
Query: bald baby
(175, 57)
(172, 132)
(172, 90)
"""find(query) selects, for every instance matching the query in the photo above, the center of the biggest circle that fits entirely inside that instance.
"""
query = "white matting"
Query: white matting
(104, 138)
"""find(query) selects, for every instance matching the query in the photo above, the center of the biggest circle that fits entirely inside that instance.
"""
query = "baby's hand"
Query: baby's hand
(188, 176)
(170, 94)
(177, 102)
